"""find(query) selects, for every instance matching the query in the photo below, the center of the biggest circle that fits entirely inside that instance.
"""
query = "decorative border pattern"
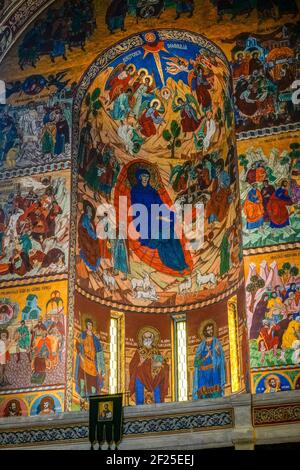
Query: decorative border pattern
(221, 419)
(30, 437)
(33, 280)
(274, 415)
(19, 19)
(200, 422)
(174, 309)
(66, 165)
(268, 131)
(32, 389)
(271, 249)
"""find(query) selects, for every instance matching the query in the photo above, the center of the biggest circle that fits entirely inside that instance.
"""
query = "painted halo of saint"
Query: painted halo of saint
(275, 386)
(203, 326)
(146, 329)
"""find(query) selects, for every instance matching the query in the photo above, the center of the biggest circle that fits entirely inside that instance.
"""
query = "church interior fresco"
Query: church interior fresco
(64, 114)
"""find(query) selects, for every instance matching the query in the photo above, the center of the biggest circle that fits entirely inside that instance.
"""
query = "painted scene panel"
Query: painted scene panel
(33, 326)
(34, 226)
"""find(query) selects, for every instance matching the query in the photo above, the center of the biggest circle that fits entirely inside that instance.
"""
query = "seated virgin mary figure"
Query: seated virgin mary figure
(155, 241)
(162, 223)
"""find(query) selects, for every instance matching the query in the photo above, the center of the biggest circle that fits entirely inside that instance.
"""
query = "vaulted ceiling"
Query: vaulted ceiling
(15, 16)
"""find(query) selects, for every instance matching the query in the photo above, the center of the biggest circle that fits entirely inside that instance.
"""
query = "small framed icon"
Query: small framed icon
(106, 411)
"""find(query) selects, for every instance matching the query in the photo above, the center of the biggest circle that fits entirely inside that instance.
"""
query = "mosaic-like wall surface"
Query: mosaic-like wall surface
(162, 111)
(178, 123)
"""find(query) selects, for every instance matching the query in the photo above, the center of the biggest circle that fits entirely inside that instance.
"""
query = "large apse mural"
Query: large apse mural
(156, 127)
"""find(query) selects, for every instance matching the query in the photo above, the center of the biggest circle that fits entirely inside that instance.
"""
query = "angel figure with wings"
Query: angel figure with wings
(176, 65)
(120, 80)
(189, 109)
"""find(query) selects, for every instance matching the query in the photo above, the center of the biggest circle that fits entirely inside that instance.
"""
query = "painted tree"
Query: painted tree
(256, 283)
(93, 103)
(172, 136)
(287, 272)
(292, 158)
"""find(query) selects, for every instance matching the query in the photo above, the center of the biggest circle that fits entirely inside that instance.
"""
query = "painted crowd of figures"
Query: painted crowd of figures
(34, 229)
(149, 367)
(270, 193)
(34, 134)
(118, 9)
(265, 8)
(175, 105)
(139, 105)
(31, 350)
(267, 204)
(67, 27)
(274, 315)
(264, 68)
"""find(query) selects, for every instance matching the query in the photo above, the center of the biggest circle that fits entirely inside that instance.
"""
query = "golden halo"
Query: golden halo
(153, 170)
(255, 52)
(156, 101)
(269, 377)
(150, 329)
(150, 77)
(283, 180)
(238, 53)
(142, 70)
(204, 324)
(85, 316)
(179, 98)
(134, 68)
(165, 89)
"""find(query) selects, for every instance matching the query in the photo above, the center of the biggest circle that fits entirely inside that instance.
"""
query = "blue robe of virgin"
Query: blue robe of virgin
(170, 249)
(211, 376)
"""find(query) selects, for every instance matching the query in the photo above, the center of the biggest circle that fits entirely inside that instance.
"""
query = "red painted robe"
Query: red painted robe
(148, 128)
(149, 376)
(277, 208)
(118, 85)
(267, 336)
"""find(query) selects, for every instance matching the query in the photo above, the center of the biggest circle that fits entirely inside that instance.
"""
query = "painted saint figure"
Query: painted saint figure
(116, 14)
(217, 207)
(12, 409)
(209, 365)
(46, 406)
(189, 118)
(277, 207)
(42, 355)
(23, 339)
(90, 363)
(121, 107)
(142, 94)
(149, 371)
(254, 208)
(87, 238)
(149, 118)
